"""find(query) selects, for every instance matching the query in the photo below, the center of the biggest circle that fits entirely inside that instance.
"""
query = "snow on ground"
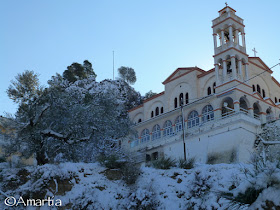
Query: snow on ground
(87, 186)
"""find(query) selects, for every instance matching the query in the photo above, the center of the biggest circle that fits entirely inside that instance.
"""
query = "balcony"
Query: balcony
(199, 128)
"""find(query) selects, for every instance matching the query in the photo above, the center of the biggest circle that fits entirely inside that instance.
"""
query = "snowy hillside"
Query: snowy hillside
(91, 186)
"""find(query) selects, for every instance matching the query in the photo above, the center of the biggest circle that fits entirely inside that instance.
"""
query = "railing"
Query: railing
(227, 45)
(199, 127)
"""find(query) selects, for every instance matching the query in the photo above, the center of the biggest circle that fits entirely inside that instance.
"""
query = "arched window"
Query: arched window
(258, 89)
(145, 136)
(181, 99)
(175, 103)
(157, 111)
(161, 110)
(209, 91)
(156, 132)
(227, 106)
(193, 119)
(187, 98)
(152, 114)
(167, 128)
(256, 110)
(214, 87)
(207, 113)
(263, 92)
(243, 105)
(140, 120)
(279, 100)
(254, 88)
(275, 99)
(179, 123)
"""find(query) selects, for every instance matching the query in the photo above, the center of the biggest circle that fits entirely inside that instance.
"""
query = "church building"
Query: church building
(214, 115)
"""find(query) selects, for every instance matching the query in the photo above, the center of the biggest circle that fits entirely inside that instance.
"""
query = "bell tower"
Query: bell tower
(230, 58)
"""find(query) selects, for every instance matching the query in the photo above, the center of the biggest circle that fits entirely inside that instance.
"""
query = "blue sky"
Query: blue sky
(153, 37)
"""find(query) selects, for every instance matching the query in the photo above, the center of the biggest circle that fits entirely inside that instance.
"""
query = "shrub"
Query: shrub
(111, 161)
(188, 164)
(2, 159)
(199, 189)
(259, 176)
(212, 158)
(164, 163)
(130, 173)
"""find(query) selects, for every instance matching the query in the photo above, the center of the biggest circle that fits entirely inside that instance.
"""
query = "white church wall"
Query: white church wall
(188, 84)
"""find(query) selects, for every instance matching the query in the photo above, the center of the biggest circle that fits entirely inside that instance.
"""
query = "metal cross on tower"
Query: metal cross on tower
(255, 52)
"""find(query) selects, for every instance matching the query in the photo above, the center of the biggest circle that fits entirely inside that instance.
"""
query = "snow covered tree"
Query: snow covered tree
(74, 121)
(127, 74)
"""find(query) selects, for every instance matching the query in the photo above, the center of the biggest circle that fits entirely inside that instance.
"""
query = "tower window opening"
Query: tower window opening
(175, 103)
(181, 101)
(157, 111)
(254, 88)
(209, 91)
(161, 110)
(263, 92)
(214, 87)
(152, 114)
(187, 98)
(258, 89)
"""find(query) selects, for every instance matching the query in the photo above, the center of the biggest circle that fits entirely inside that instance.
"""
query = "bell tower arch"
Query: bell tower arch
(230, 58)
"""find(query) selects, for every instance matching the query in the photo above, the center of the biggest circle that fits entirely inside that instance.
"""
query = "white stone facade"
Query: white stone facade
(223, 108)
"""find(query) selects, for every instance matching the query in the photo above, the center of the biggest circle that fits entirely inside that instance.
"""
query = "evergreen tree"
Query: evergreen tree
(127, 74)
(25, 88)
(149, 94)
(77, 71)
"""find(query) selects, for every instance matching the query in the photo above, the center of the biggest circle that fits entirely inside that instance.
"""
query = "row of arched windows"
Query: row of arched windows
(192, 120)
(209, 89)
(276, 100)
(261, 92)
(181, 100)
(156, 113)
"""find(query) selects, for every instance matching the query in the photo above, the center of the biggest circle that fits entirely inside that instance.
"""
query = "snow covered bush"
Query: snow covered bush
(199, 188)
(260, 176)
(143, 198)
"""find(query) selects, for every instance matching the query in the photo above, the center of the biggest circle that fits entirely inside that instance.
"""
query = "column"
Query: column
(215, 41)
(243, 40)
(230, 35)
(246, 72)
(217, 113)
(224, 71)
(251, 111)
(263, 117)
(240, 70)
(236, 37)
(217, 74)
(236, 106)
(233, 66)
(223, 38)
